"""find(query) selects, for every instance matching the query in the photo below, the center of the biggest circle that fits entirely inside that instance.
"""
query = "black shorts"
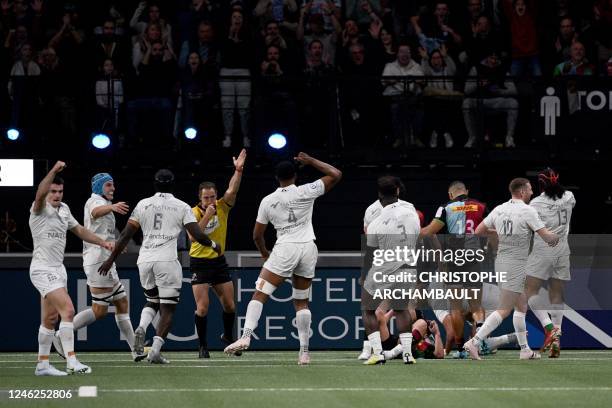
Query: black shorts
(212, 271)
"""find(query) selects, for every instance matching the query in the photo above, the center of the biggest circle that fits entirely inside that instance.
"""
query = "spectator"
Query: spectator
(441, 68)
(109, 97)
(152, 33)
(153, 16)
(363, 11)
(108, 46)
(602, 13)
(199, 92)
(360, 97)
(328, 9)
(482, 42)
(68, 41)
(317, 31)
(382, 44)
(15, 39)
(577, 64)
(205, 46)
(58, 93)
(434, 30)
(522, 17)
(197, 11)
(22, 88)
(404, 95)
(270, 35)
(318, 118)
(489, 88)
(155, 85)
(281, 11)
(402, 13)
(236, 60)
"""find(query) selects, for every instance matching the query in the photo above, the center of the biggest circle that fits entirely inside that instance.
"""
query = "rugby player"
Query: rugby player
(50, 218)
(105, 290)
(294, 255)
(162, 218)
(396, 226)
(209, 268)
(459, 217)
(554, 206)
(514, 222)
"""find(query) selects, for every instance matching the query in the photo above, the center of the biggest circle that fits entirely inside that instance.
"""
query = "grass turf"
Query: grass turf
(334, 379)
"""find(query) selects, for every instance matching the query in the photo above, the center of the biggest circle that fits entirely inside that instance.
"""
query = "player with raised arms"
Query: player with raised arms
(294, 255)
(50, 218)
(514, 222)
(162, 217)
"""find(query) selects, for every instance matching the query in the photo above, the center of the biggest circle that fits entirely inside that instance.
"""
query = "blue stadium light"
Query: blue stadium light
(191, 133)
(101, 141)
(277, 141)
(12, 134)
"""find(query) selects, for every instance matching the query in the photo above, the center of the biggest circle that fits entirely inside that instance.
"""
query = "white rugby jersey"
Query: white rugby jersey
(49, 234)
(376, 207)
(556, 215)
(515, 223)
(396, 226)
(104, 227)
(289, 209)
(161, 218)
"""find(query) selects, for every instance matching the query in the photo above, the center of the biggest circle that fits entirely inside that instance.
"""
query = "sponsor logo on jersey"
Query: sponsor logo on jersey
(465, 208)
(56, 235)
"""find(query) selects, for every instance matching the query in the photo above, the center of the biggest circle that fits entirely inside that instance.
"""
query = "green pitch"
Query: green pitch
(335, 379)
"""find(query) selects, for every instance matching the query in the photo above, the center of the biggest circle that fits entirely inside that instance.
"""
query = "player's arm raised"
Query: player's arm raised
(234, 185)
(128, 232)
(194, 230)
(120, 208)
(45, 185)
(259, 240)
(88, 236)
(332, 174)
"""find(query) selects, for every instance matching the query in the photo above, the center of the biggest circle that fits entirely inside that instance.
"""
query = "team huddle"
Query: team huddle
(163, 217)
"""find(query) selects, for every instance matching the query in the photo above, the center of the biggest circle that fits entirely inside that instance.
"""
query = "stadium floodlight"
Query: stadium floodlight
(101, 141)
(12, 134)
(277, 141)
(191, 133)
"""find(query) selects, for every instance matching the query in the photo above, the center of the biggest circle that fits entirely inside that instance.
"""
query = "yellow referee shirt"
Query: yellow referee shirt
(216, 230)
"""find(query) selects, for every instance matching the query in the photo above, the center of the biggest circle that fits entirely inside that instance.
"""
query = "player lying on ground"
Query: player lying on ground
(50, 218)
(294, 255)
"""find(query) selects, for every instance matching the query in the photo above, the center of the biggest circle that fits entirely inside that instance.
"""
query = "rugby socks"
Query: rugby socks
(66, 335)
(201, 323)
(45, 340)
(406, 342)
(496, 342)
(158, 342)
(125, 327)
(374, 339)
(556, 314)
(542, 315)
(251, 319)
(146, 317)
(490, 324)
(303, 318)
(228, 325)
(520, 327)
(83, 318)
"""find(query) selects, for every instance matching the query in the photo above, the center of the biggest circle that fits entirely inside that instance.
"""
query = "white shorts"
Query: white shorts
(95, 280)
(549, 268)
(289, 259)
(46, 279)
(161, 274)
(515, 275)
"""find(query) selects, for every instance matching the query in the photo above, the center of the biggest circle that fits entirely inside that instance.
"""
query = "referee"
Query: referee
(209, 268)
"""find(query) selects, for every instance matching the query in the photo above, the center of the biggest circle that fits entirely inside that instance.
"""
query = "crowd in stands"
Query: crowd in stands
(397, 69)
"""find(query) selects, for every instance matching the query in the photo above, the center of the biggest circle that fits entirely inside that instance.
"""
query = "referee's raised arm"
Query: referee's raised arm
(332, 174)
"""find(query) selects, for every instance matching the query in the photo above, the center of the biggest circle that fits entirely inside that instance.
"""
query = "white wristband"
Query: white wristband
(213, 245)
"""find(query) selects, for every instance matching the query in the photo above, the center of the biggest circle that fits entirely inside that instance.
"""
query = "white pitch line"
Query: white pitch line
(351, 389)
